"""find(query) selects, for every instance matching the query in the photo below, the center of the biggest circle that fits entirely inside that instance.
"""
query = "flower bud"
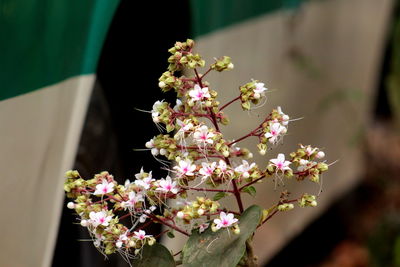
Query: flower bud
(154, 151)
(200, 212)
(225, 153)
(161, 84)
(84, 223)
(257, 96)
(163, 151)
(236, 230)
(71, 205)
(320, 155)
(151, 241)
(230, 66)
(214, 228)
(246, 175)
(131, 243)
(149, 144)
(180, 215)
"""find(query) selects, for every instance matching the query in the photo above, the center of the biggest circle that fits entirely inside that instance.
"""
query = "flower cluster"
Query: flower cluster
(203, 161)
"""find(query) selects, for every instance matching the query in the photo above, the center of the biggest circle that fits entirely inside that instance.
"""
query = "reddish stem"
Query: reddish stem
(236, 191)
(268, 218)
(202, 76)
(230, 102)
(207, 189)
(160, 234)
(252, 182)
(155, 218)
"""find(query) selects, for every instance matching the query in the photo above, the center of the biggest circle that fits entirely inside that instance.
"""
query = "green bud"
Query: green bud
(285, 207)
(322, 166)
(72, 174)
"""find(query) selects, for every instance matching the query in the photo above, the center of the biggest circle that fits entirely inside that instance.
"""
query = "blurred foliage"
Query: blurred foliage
(384, 242)
(393, 78)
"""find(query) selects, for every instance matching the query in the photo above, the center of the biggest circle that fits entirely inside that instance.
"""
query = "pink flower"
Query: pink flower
(133, 199)
(224, 220)
(198, 93)
(245, 168)
(185, 168)
(104, 188)
(121, 239)
(202, 135)
(275, 130)
(99, 218)
(156, 110)
(259, 90)
(207, 169)
(140, 235)
(166, 185)
(280, 163)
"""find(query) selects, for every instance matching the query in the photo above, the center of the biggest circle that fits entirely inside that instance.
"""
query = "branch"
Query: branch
(230, 102)
(155, 218)
(207, 189)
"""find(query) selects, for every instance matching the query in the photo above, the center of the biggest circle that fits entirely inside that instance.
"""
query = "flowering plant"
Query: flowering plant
(116, 215)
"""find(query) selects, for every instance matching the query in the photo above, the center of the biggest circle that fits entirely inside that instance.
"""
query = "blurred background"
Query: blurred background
(72, 74)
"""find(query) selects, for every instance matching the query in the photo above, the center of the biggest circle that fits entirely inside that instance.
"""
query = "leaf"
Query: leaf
(155, 256)
(222, 248)
(251, 190)
(219, 195)
(170, 234)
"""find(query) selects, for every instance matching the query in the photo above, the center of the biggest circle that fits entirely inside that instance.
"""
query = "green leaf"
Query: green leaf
(250, 190)
(170, 234)
(155, 256)
(222, 248)
(219, 195)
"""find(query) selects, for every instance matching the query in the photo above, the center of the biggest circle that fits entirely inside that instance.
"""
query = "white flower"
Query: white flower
(285, 118)
(224, 220)
(185, 168)
(166, 185)
(127, 183)
(198, 93)
(104, 188)
(133, 199)
(145, 183)
(140, 235)
(156, 111)
(202, 135)
(259, 90)
(244, 168)
(98, 239)
(185, 125)
(305, 164)
(207, 169)
(178, 104)
(280, 163)
(121, 240)
(309, 150)
(141, 174)
(99, 218)
(275, 130)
